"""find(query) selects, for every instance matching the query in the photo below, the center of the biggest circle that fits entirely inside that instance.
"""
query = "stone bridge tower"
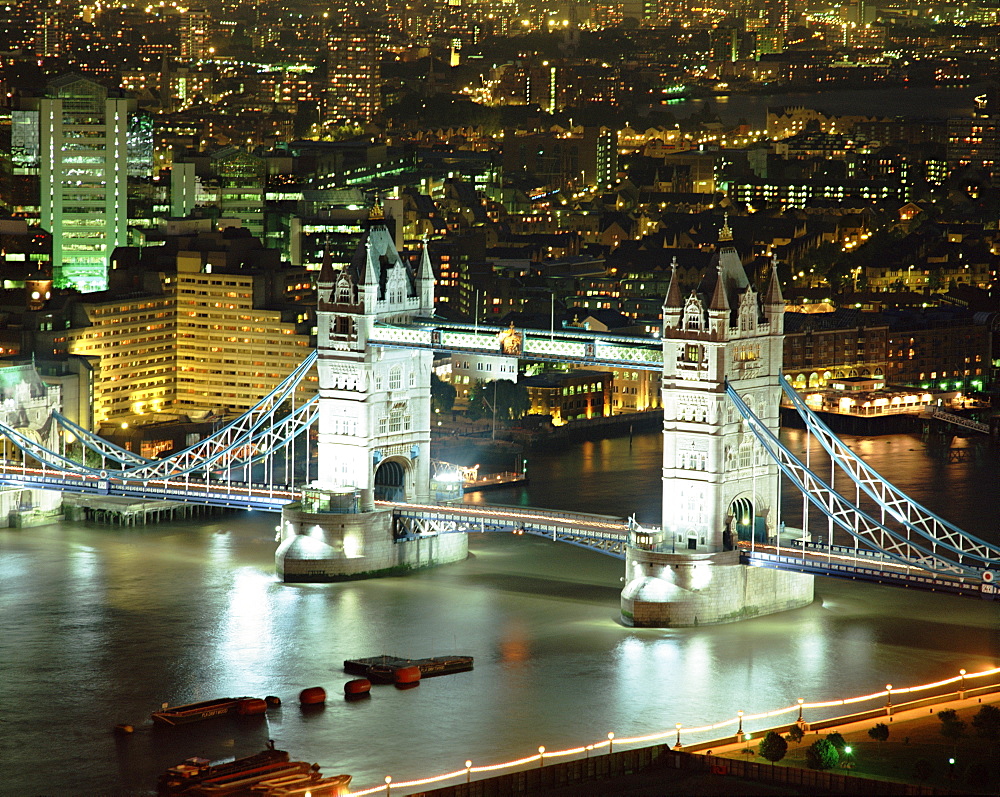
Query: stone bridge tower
(374, 424)
(718, 484)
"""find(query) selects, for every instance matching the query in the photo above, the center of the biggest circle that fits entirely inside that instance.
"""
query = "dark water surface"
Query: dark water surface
(100, 625)
(937, 102)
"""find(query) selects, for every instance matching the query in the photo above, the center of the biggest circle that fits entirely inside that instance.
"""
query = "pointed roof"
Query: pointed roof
(326, 269)
(720, 301)
(673, 298)
(425, 270)
(774, 296)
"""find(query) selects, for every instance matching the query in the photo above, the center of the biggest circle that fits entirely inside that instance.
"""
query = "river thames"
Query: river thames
(101, 625)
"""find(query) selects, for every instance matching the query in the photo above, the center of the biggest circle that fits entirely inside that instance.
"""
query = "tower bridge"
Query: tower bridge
(350, 470)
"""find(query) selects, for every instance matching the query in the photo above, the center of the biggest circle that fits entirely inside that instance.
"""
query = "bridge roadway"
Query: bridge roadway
(604, 534)
(607, 535)
(859, 564)
(233, 495)
(579, 346)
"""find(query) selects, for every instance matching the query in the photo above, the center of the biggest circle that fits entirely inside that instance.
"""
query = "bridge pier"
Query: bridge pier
(320, 542)
(673, 590)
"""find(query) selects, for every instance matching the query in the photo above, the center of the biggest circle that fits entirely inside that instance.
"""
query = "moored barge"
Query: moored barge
(383, 669)
(208, 709)
(269, 773)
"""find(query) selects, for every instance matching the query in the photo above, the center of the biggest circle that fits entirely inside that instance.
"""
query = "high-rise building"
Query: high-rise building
(52, 30)
(195, 33)
(354, 77)
(83, 143)
(204, 321)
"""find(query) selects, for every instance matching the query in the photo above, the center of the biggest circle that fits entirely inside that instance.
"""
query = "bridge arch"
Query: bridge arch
(744, 521)
(392, 479)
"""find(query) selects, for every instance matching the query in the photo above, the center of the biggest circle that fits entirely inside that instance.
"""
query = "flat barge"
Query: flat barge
(208, 709)
(383, 669)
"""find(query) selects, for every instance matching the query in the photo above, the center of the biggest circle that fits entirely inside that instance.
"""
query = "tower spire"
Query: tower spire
(720, 301)
(725, 234)
(673, 298)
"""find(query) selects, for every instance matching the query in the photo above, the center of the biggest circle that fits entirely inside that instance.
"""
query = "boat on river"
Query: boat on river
(208, 709)
(269, 773)
(385, 669)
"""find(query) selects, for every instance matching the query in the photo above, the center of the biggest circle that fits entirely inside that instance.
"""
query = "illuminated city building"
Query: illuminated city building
(354, 78)
(195, 33)
(242, 182)
(84, 144)
(52, 30)
(569, 395)
(205, 322)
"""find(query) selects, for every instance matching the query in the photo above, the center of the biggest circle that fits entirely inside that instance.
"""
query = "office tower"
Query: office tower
(242, 180)
(354, 78)
(195, 33)
(82, 143)
(52, 30)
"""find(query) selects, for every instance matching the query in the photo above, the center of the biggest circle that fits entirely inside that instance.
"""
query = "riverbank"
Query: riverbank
(913, 760)
(915, 753)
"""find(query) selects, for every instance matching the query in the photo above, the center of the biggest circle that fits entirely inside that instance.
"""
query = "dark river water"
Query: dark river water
(916, 101)
(101, 625)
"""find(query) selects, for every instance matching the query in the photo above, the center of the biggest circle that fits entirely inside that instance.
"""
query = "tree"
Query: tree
(952, 728)
(773, 747)
(837, 741)
(987, 722)
(442, 394)
(795, 733)
(879, 732)
(512, 400)
(821, 754)
(477, 407)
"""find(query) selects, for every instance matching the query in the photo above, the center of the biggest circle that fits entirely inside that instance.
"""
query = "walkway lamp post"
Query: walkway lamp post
(611, 742)
(800, 720)
(678, 745)
(468, 771)
(739, 730)
(961, 690)
(541, 756)
(388, 783)
(888, 702)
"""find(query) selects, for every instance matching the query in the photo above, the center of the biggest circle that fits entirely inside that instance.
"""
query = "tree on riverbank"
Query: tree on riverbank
(987, 722)
(879, 732)
(442, 394)
(773, 747)
(952, 728)
(822, 755)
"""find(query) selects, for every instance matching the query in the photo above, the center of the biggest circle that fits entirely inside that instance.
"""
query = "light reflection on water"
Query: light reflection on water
(101, 625)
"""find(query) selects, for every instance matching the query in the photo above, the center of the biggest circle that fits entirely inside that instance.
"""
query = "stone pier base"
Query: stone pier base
(341, 547)
(664, 590)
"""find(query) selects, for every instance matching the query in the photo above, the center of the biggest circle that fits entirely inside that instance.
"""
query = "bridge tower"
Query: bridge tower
(374, 424)
(718, 485)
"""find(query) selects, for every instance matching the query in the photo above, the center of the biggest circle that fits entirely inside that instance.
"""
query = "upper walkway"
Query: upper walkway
(579, 346)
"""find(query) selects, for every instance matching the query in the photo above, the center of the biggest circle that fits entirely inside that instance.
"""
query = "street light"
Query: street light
(888, 704)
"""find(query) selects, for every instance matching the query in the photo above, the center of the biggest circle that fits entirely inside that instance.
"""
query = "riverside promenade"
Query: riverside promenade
(730, 764)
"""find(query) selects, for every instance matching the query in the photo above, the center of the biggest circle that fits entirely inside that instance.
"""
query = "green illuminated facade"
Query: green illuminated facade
(87, 145)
